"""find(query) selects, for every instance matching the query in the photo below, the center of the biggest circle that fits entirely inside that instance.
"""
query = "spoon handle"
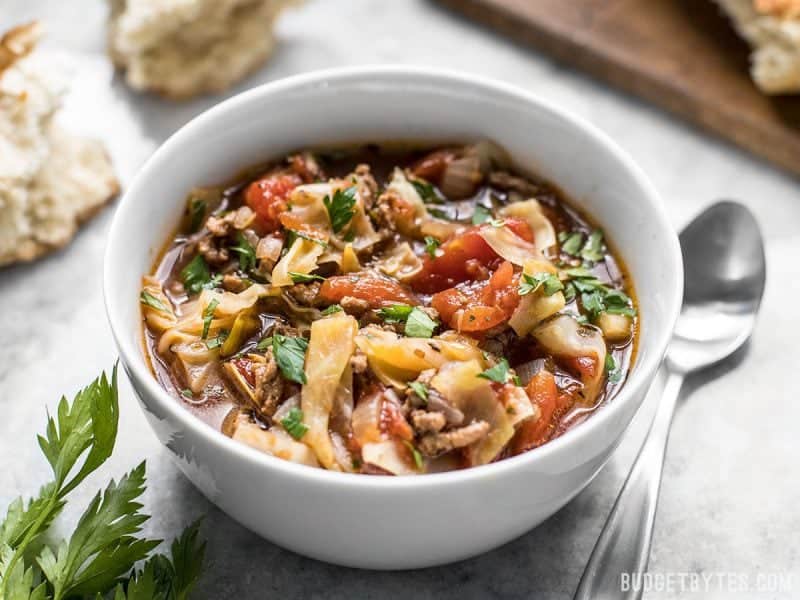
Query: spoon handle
(623, 548)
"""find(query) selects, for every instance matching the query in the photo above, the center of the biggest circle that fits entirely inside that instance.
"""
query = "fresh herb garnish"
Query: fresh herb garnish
(549, 283)
(152, 301)
(517, 381)
(187, 393)
(292, 235)
(397, 313)
(419, 324)
(571, 243)
(481, 214)
(290, 354)
(293, 423)
(597, 297)
(592, 250)
(216, 342)
(332, 309)
(264, 343)
(614, 373)
(416, 455)
(341, 207)
(208, 316)
(431, 244)
(246, 252)
(304, 277)
(420, 389)
(498, 373)
(425, 190)
(569, 292)
(197, 213)
(195, 275)
(99, 557)
(438, 213)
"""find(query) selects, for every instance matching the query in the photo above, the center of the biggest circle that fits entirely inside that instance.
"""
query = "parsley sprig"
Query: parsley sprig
(293, 423)
(246, 252)
(549, 283)
(98, 559)
(597, 297)
(341, 208)
(417, 322)
(290, 354)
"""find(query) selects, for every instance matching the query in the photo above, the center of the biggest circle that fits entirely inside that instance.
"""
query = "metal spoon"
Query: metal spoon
(725, 271)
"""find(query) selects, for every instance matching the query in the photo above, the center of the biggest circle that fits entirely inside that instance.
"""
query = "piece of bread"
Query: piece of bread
(50, 180)
(182, 48)
(772, 27)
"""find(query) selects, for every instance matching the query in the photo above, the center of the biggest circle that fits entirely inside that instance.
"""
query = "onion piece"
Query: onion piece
(400, 263)
(509, 245)
(389, 455)
(273, 441)
(544, 234)
(461, 177)
(301, 258)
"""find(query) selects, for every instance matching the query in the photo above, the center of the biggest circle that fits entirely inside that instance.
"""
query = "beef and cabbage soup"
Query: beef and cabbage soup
(389, 309)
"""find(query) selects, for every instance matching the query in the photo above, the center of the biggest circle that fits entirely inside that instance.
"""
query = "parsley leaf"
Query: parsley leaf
(613, 372)
(438, 213)
(571, 243)
(152, 301)
(292, 235)
(425, 190)
(341, 207)
(431, 244)
(195, 275)
(208, 316)
(293, 423)
(415, 454)
(420, 389)
(187, 393)
(592, 250)
(264, 343)
(597, 297)
(397, 313)
(481, 214)
(304, 277)
(246, 252)
(419, 324)
(290, 354)
(197, 213)
(498, 373)
(216, 342)
(549, 282)
(332, 309)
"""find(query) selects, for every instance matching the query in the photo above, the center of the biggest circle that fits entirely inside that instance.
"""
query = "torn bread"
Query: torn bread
(50, 180)
(182, 48)
(772, 27)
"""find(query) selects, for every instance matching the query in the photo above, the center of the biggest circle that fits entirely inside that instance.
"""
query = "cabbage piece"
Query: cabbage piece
(306, 203)
(198, 365)
(367, 418)
(391, 456)
(330, 347)
(301, 258)
(509, 245)
(350, 263)
(459, 383)
(273, 441)
(544, 234)
(159, 318)
(518, 405)
(537, 306)
(405, 190)
(563, 337)
(397, 360)
(400, 262)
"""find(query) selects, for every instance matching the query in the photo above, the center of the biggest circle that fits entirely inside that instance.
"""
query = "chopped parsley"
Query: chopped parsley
(549, 283)
(187, 393)
(419, 324)
(332, 309)
(290, 354)
(420, 389)
(246, 252)
(571, 242)
(593, 249)
(293, 423)
(438, 213)
(197, 213)
(195, 275)
(208, 316)
(292, 235)
(416, 455)
(481, 214)
(216, 342)
(304, 277)
(498, 373)
(152, 301)
(341, 208)
(612, 370)
(264, 343)
(597, 297)
(425, 190)
(397, 313)
(431, 244)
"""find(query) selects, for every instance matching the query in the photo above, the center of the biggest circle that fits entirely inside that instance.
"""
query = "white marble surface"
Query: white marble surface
(729, 501)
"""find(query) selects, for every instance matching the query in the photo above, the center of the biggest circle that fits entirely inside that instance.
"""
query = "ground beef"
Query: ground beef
(434, 444)
(269, 386)
(234, 283)
(212, 254)
(358, 362)
(304, 294)
(354, 306)
(427, 422)
(506, 181)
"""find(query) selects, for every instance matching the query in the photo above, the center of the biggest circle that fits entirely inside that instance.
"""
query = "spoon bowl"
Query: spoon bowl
(724, 278)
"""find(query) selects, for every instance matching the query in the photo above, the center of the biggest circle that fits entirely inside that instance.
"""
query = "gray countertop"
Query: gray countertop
(729, 501)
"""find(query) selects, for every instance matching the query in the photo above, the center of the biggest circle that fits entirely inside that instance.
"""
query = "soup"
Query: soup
(389, 309)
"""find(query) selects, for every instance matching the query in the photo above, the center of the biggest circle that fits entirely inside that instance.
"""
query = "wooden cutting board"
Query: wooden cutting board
(681, 55)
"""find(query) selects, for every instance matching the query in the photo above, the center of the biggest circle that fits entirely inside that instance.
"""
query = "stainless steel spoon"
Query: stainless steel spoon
(725, 271)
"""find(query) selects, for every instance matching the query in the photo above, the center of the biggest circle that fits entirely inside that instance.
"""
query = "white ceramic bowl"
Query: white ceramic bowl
(392, 522)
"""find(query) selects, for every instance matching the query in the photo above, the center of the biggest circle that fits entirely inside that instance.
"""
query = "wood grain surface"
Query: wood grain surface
(681, 55)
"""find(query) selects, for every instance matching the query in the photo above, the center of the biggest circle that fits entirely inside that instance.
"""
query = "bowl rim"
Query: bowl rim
(133, 358)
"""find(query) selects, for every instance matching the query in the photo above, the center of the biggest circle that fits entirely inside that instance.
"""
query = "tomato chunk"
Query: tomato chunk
(458, 257)
(543, 392)
(377, 291)
(268, 198)
(478, 307)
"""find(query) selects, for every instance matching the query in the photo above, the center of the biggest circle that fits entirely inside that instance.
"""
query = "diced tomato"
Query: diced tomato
(431, 167)
(543, 392)
(478, 307)
(583, 366)
(393, 423)
(245, 367)
(378, 291)
(268, 198)
(455, 263)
